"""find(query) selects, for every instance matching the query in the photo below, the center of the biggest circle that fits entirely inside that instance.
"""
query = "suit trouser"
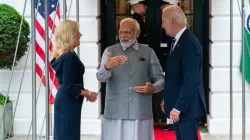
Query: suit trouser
(186, 130)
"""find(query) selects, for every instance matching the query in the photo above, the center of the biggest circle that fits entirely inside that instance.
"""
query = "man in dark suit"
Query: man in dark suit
(163, 53)
(139, 8)
(184, 99)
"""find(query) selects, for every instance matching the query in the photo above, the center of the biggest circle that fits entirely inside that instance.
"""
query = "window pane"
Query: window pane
(122, 7)
(122, 11)
(187, 6)
(190, 21)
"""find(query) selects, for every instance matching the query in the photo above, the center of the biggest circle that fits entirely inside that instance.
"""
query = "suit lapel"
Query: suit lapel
(181, 39)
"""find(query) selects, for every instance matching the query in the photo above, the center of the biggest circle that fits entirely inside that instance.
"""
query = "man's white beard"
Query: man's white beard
(129, 43)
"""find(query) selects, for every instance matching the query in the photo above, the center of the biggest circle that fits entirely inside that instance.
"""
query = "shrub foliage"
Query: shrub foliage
(10, 21)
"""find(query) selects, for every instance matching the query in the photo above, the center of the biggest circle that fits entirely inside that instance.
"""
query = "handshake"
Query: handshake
(91, 96)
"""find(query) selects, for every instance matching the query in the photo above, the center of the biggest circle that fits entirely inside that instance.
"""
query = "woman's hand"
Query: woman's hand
(93, 96)
(85, 93)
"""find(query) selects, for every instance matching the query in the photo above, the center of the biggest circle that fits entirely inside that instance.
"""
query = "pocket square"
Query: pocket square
(141, 59)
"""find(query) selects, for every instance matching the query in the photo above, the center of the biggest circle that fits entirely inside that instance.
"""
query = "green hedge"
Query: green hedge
(2, 99)
(10, 21)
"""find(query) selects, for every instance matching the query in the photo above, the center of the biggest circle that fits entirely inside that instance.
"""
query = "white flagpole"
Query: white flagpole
(47, 70)
(77, 19)
(231, 69)
(64, 9)
(33, 34)
(243, 70)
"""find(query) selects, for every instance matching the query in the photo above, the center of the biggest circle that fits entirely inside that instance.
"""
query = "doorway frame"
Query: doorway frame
(201, 29)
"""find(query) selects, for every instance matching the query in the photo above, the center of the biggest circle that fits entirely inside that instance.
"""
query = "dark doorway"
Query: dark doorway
(197, 12)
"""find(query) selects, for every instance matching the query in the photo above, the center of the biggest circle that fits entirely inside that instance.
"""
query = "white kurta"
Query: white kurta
(127, 129)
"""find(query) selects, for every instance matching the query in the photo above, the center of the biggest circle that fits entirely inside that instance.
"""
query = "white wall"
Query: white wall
(89, 54)
(218, 120)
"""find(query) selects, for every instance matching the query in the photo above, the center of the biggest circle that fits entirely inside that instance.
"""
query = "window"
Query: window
(122, 11)
(187, 7)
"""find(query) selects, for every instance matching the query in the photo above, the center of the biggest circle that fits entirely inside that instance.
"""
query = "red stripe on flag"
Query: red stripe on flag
(39, 72)
(40, 50)
(51, 71)
(50, 46)
(53, 77)
(42, 34)
(58, 13)
(40, 29)
(51, 24)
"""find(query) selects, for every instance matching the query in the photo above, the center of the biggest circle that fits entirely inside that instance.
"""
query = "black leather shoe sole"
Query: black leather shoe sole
(168, 128)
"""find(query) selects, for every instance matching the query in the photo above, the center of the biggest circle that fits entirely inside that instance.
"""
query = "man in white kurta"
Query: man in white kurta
(132, 74)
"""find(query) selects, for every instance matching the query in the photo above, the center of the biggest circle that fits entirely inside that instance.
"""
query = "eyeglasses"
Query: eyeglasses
(125, 32)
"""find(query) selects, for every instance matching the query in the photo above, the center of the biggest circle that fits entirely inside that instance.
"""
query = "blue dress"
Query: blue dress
(68, 102)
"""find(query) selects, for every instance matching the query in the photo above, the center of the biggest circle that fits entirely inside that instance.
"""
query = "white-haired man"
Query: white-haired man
(163, 53)
(128, 68)
(184, 99)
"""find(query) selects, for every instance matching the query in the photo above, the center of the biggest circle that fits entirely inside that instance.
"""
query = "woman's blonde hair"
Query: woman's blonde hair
(65, 36)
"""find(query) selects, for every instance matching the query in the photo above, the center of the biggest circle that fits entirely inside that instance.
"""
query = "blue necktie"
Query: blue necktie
(172, 45)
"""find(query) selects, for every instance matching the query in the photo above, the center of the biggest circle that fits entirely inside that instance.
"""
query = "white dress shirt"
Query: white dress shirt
(178, 35)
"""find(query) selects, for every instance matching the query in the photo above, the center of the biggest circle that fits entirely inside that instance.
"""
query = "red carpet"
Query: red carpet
(167, 135)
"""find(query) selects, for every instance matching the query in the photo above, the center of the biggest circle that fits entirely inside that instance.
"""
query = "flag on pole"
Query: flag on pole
(246, 49)
(53, 21)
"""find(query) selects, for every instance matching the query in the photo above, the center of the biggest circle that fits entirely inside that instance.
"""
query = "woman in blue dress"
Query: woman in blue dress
(69, 72)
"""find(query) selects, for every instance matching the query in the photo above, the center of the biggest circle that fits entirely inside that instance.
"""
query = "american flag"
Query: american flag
(53, 20)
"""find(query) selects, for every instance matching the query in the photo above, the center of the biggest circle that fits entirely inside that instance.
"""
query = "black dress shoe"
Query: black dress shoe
(169, 127)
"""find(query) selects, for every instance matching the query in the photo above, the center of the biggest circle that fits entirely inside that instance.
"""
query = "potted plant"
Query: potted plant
(7, 117)
(10, 21)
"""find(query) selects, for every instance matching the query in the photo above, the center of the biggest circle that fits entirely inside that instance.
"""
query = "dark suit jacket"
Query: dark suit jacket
(183, 79)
